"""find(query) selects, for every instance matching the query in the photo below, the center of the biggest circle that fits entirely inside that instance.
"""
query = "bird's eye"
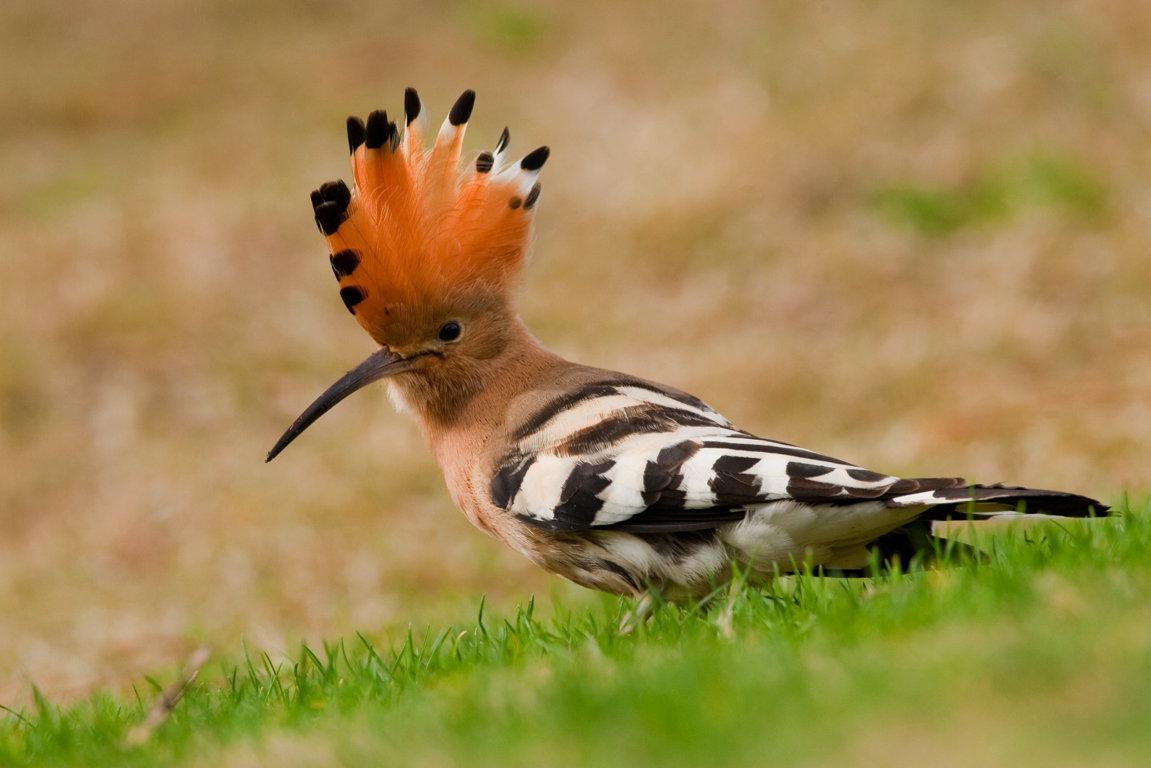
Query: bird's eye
(450, 331)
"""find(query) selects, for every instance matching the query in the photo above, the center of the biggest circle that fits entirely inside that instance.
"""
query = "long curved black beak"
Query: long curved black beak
(379, 365)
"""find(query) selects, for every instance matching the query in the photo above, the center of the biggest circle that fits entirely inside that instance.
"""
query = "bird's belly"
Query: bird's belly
(773, 538)
(679, 566)
(786, 534)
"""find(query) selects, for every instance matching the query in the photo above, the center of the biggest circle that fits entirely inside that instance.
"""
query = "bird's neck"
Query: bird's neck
(472, 396)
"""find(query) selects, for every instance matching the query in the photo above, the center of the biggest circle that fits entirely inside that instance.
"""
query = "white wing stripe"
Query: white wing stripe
(696, 484)
(567, 422)
(540, 491)
(624, 495)
(643, 395)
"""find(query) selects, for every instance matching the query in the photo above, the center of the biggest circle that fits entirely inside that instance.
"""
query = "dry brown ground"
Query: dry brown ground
(735, 205)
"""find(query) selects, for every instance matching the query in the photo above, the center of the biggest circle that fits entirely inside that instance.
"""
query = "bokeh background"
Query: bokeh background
(913, 234)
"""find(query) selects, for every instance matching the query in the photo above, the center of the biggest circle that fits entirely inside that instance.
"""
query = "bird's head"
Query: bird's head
(426, 254)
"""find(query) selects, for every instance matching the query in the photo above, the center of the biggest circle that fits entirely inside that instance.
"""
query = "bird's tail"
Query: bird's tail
(954, 499)
(947, 502)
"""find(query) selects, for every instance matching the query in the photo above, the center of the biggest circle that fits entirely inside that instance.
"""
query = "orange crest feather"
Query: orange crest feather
(417, 225)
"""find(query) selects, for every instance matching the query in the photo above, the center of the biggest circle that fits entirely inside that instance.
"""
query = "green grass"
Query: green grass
(1040, 654)
(995, 195)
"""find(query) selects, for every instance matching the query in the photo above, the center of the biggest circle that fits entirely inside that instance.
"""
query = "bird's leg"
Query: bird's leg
(726, 618)
(638, 614)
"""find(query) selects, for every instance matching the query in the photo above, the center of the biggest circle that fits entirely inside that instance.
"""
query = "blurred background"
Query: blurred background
(916, 235)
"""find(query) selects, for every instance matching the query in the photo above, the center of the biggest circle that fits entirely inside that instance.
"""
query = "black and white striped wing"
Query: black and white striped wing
(632, 456)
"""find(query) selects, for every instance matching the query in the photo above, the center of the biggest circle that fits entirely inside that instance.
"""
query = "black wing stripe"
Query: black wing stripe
(802, 488)
(780, 450)
(653, 521)
(578, 500)
(801, 469)
(866, 475)
(677, 521)
(730, 482)
(604, 388)
(918, 484)
(673, 394)
(633, 420)
(662, 477)
(508, 478)
(557, 406)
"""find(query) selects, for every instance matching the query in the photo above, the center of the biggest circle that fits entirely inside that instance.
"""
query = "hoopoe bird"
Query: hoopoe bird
(614, 482)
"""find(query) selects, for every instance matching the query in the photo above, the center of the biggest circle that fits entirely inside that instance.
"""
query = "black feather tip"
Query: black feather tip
(344, 262)
(502, 144)
(377, 132)
(329, 217)
(352, 295)
(532, 197)
(411, 105)
(355, 133)
(462, 109)
(484, 162)
(336, 192)
(535, 159)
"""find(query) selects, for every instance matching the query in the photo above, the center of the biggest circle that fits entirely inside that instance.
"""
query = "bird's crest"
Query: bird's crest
(416, 225)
